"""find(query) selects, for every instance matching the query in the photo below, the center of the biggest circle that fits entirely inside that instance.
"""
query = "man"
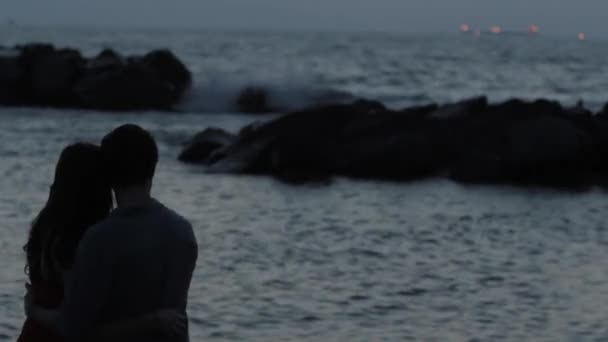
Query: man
(139, 260)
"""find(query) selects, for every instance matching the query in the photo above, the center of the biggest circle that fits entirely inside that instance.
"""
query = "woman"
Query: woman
(79, 198)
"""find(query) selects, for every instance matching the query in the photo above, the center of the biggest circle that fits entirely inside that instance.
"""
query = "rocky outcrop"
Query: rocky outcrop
(205, 144)
(544, 150)
(514, 142)
(41, 75)
(53, 75)
(12, 87)
(254, 100)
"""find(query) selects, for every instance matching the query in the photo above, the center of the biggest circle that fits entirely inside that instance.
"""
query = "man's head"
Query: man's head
(131, 155)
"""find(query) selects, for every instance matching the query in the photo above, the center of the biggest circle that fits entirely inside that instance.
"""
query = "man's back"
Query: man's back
(154, 253)
(143, 258)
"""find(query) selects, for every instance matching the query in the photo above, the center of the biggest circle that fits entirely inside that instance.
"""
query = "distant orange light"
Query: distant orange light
(465, 28)
(582, 36)
(533, 29)
(496, 29)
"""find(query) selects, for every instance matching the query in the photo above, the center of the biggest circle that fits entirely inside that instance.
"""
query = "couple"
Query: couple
(98, 274)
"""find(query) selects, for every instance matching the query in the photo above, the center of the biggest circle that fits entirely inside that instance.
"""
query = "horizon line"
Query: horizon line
(243, 29)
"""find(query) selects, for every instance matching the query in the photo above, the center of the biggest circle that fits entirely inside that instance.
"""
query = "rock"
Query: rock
(41, 75)
(200, 149)
(401, 157)
(578, 110)
(332, 96)
(254, 100)
(597, 129)
(516, 109)
(53, 77)
(544, 138)
(295, 146)
(16, 72)
(251, 129)
(241, 158)
(544, 150)
(603, 113)
(324, 121)
(514, 142)
(132, 87)
(363, 106)
(29, 54)
(12, 87)
(106, 61)
(362, 139)
(548, 151)
(372, 119)
(156, 81)
(171, 70)
(463, 108)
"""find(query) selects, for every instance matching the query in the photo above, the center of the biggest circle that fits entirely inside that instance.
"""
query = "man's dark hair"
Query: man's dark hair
(131, 154)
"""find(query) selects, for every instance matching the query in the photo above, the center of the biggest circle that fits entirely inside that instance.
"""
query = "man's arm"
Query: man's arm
(167, 324)
(180, 270)
(87, 288)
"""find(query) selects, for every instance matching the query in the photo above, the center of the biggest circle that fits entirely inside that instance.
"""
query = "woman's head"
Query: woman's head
(80, 196)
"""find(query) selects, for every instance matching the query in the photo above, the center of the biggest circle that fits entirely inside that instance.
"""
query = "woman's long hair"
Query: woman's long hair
(79, 198)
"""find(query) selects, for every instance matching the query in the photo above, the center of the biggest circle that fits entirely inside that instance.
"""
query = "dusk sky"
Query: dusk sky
(553, 16)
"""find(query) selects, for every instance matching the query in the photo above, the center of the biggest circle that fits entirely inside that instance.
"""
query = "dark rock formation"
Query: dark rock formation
(464, 108)
(132, 87)
(514, 142)
(12, 87)
(170, 70)
(41, 75)
(53, 76)
(254, 100)
(106, 60)
(205, 144)
(544, 150)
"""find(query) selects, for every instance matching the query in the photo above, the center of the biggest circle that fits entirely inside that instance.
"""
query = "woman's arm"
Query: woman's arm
(165, 323)
(46, 317)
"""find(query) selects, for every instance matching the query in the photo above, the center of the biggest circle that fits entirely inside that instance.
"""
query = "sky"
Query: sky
(561, 17)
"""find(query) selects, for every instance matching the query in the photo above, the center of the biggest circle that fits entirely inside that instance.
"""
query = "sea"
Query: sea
(349, 260)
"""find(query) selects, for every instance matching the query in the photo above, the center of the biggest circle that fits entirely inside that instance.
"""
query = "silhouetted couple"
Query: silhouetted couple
(98, 274)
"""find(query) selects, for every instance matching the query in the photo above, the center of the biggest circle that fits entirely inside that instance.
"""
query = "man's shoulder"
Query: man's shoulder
(111, 227)
(178, 223)
(96, 239)
(174, 217)
(185, 239)
(100, 230)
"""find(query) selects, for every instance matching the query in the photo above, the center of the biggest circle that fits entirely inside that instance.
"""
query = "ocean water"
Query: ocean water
(353, 260)
(396, 69)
